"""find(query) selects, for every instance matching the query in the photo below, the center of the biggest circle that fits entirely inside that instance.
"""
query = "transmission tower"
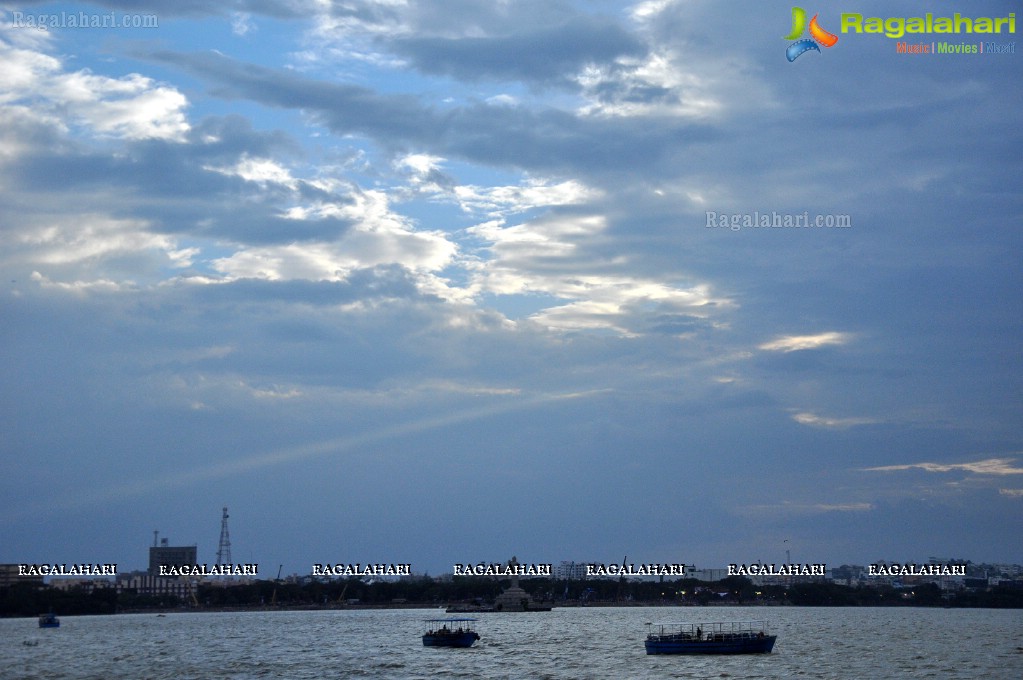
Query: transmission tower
(224, 551)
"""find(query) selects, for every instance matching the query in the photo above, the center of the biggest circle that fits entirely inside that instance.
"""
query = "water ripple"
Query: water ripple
(565, 644)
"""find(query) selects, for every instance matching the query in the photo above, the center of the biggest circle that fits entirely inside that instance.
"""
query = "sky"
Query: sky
(448, 282)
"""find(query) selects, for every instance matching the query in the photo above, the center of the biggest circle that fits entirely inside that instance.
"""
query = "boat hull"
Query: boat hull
(754, 645)
(450, 640)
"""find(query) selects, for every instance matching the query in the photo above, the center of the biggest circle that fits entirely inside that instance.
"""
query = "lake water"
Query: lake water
(846, 643)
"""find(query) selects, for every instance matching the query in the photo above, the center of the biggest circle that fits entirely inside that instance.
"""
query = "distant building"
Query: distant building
(707, 574)
(9, 576)
(89, 585)
(171, 556)
(144, 583)
(848, 574)
(570, 571)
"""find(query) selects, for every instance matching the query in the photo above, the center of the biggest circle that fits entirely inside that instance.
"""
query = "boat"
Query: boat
(49, 621)
(450, 633)
(469, 609)
(712, 637)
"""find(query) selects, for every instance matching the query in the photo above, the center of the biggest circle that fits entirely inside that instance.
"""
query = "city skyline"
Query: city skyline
(433, 281)
(463, 568)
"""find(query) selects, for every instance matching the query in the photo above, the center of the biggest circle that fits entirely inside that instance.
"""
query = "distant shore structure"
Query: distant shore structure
(168, 555)
(514, 598)
(224, 549)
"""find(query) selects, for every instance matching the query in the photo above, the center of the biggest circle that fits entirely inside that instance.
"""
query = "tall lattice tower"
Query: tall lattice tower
(224, 551)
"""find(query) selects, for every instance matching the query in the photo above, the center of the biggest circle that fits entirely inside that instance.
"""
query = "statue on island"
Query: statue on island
(515, 599)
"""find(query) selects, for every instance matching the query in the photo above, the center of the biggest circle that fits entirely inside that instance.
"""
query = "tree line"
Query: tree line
(31, 600)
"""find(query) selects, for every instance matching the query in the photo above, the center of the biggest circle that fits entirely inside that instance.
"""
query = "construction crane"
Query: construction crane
(341, 597)
(190, 585)
(273, 597)
(621, 580)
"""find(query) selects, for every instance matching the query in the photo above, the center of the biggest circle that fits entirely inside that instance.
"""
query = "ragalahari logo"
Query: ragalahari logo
(803, 46)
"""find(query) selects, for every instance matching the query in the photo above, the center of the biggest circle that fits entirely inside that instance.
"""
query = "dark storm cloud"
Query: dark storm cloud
(176, 186)
(547, 55)
(547, 140)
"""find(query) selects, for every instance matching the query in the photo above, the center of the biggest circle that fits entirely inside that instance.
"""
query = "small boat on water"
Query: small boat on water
(49, 621)
(714, 637)
(450, 633)
(470, 609)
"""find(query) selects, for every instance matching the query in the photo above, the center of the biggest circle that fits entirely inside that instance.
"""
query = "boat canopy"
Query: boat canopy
(711, 627)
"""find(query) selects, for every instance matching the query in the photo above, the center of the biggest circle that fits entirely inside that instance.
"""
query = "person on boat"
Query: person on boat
(699, 633)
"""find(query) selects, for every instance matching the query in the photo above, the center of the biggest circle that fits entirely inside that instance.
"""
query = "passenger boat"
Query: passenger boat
(447, 635)
(49, 621)
(714, 637)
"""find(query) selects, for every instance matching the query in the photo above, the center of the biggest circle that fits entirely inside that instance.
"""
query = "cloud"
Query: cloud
(97, 237)
(130, 107)
(989, 466)
(844, 507)
(322, 228)
(548, 257)
(661, 84)
(547, 140)
(545, 55)
(198, 8)
(242, 23)
(428, 177)
(367, 30)
(497, 201)
(795, 343)
(377, 237)
(786, 508)
(814, 420)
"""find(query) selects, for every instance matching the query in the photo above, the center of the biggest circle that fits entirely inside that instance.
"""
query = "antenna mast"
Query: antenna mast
(224, 551)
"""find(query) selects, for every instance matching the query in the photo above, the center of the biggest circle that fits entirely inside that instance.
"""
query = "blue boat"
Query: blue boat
(713, 637)
(49, 621)
(450, 633)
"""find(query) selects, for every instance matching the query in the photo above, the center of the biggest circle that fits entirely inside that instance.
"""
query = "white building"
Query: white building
(570, 571)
